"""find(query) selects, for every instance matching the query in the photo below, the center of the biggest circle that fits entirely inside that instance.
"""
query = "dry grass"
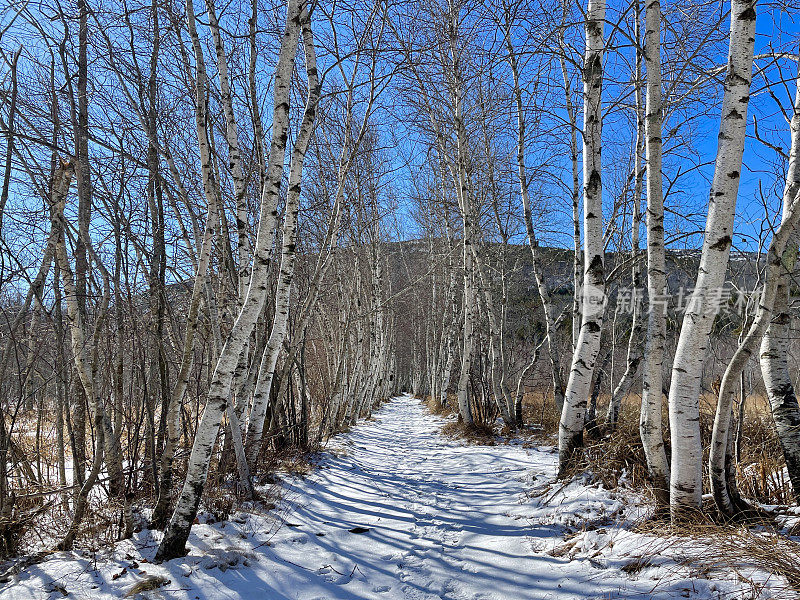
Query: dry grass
(475, 433)
(436, 408)
(540, 415)
(760, 468)
(770, 552)
(743, 550)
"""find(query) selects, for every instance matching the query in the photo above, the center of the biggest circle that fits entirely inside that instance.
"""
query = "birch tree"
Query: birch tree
(548, 306)
(266, 370)
(635, 346)
(775, 344)
(177, 532)
(650, 428)
(570, 431)
(684, 393)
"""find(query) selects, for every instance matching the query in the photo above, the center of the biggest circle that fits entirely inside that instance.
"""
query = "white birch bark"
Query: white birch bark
(468, 217)
(269, 360)
(650, 427)
(347, 157)
(464, 410)
(80, 343)
(687, 369)
(177, 532)
(779, 262)
(577, 260)
(775, 345)
(570, 431)
(210, 190)
(187, 359)
(213, 194)
(234, 155)
(449, 327)
(501, 392)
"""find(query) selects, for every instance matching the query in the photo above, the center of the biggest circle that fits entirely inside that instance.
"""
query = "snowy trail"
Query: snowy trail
(445, 521)
(440, 515)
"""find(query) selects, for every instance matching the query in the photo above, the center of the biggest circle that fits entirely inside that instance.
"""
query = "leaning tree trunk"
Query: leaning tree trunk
(570, 431)
(177, 532)
(687, 369)
(80, 343)
(779, 262)
(650, 426)
(269, 360)
(775, 345)
(160, 512)
(211, 192)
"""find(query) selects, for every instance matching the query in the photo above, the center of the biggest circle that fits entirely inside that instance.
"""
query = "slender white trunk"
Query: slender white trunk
(464, 411)
(779, 262)
(199, 287)
(635, 346)
(687, 369)
(577, 261)
(234, 155)
(501, 392)
(650, 427)
(269, 360)
(570, 431)
(548, 307)
(177, 532)
(775, 345)
(83, 346)
(450, 332)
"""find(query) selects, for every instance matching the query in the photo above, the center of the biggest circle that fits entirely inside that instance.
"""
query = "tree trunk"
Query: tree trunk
(177, 532)
(269, 360)
(775, 345)
(548, 307)
(650, 427)
(635, 346)
(687, 369)
(570, 431)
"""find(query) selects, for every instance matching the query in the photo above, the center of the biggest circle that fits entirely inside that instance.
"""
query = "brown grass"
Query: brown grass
(436, 408)
(760, 469)
(475, 433)
(740, 549)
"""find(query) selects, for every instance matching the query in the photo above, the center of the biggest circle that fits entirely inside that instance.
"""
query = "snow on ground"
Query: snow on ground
(395, 511)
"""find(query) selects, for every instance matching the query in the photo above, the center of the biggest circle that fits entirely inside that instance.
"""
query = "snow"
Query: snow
(396, 511)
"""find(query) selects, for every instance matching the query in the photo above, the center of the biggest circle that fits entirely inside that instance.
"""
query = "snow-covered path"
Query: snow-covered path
(396, 511)
(444, 518)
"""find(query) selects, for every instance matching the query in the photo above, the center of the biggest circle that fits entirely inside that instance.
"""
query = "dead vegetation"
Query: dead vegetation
(475, 433)
(619, 458)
